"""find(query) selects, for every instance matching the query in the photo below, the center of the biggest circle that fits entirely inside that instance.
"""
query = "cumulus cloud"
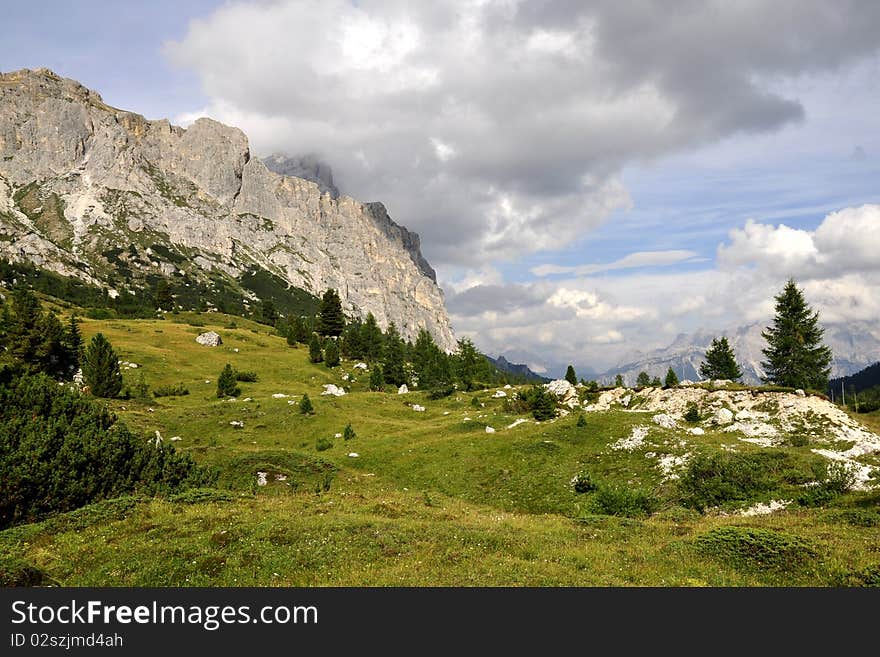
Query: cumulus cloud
(633, 260)
(499, 128)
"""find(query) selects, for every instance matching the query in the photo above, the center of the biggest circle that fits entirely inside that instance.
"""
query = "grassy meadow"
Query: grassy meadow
(420, 498)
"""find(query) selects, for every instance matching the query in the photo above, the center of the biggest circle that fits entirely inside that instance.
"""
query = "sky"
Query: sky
(588, 178)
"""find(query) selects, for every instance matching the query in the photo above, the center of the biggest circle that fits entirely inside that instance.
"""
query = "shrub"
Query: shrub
(323, 444)
(751, 548)
(582, 482)
(377, 378)
(226, 383)
(60, 451)
(100, 368)
(797, 440)
(710, 480)
(475, 402)
(305, 405)
(692, 413)
(348, 433)
(615, 500)
(331, 353)
(541, 402)
(441, 392)
(15, 572)
(581, 421)
(246, 377)
(177, 390)
(834, 478)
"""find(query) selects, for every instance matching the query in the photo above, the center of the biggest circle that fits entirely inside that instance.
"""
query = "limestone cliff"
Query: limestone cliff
(90, 190)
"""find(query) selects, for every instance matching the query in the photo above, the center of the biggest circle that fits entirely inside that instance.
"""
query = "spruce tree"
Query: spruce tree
(618, 381)
(720, 362)
(671, 378)
(467, 363)
(163, 299)
(394, 357)
(371, 339)
(305, 405)
(656, 383)
(377, 378)
(227, 383)
(570, 376)
(643, 380)
(23, 334)
(100, 366)
(543, 404)
(331, 321)
(331, 353)
(73, 344)
(796, 356)
(315, 353)
(352, 347)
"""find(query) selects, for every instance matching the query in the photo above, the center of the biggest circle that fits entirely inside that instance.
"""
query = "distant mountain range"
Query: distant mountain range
(862, 380)
(854, 345)
(518, 369)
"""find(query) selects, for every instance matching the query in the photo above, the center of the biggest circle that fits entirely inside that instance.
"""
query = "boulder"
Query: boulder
(664, 420)
(402, 390)
(722, 416)
(499, 393)
(564, 391)
(209, 339)
(331, 389)
(418, 408)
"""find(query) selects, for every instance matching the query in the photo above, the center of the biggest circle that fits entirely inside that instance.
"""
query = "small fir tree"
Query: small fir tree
(643, 380)
(618, 381)
(348, 433)
(101, 368)
(655, 382)
(331, 321)
(543, 404)
(467, 363)
(377, 378)
(371, 340)
(315, 353)
(720, 362)
(305, 405)
(163, 297)
(671, 378)
(394, 357)
(227, 385)
(331, 353)
(570, 375)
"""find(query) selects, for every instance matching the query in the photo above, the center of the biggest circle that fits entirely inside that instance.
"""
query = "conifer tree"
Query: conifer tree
(348, 433)
(315, 353)
(163, 298)
(305, 405)
(371, 340)
(100, 367)
(331, 321)
(618, 381)
(720, 362)
(331, 353)
(796, 356)
(570, 375)
(643, 380)
(377, 378)
(352, 347)
(227, 385)
(467, 363)
(671, 378)
(394, 357)
(543, 404)
(73, 344)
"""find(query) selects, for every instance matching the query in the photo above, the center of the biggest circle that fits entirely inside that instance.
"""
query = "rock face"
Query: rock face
(92, 191)
(209, 339)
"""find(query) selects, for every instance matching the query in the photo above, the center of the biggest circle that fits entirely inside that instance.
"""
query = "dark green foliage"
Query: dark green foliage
(570, 375)
(720, 362)
(713, 479)
(305, 405)
(331, 353)
(297, 330)
(15, 572)
(140, 390)
(316, 354)
(795, 354)
(393, 360)
(59, 451)
(377, 378)
(330, 321)
(834, 478)
(643, 380)
(352, 347)
(73, 345)
(348, 433)
(431, 365)
(692, 413)
(37, 340)
(100, 368)
(541, 402)
(583, 482)
(866, 577)
(371, 340)
(266, 312)
(475, 402)
(246, 377)
(581, 421)
(226, 383)
(323, 444)
(655, 382)
(617, 500)
(468, 364)
(163, 299)
(177, 390)
(618, 381)
(756, 549)
(441, 392)
(671, 379)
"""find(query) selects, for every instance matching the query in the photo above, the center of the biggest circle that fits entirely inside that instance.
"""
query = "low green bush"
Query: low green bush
(176, 390)
(713, 479)
(750, 548)
(246, 377)
(615, 500)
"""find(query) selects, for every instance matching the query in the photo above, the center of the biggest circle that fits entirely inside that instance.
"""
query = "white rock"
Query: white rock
(800, 393)
(516, 423)
(402, 390)
(507, 387)
(499, 394)
(133, 366)
(665, 421)
(210, 339)
(564, 391)
(490, 429)
(337, 435)
(418, 408)
(261, 478)
(445, 412)
(279, 395)
(331, 389)
(722, 416)
(353, 455)
(175, 438)
(696, 431)
(235, 350)
(467, 419)
(238, 424)
(633, 441)
(247, 399)
(360, 366)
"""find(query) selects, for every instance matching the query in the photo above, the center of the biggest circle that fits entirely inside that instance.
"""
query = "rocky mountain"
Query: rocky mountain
(854, 346)
(503, 365)
(307, 167)
(102, 194)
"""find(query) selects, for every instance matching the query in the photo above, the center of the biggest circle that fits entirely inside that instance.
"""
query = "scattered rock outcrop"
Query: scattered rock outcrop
(209, 339)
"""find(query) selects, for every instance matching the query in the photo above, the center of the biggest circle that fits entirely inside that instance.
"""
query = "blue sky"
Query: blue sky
(525, 138)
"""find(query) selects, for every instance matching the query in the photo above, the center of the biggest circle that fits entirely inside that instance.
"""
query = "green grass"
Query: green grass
(430, 498)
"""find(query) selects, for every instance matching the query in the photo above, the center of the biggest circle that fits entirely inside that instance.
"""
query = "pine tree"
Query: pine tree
(671, 378)
(656, 383)
(377, 378)
(720, 362)
(267, 312)
(348, 433)
(315, 353)
(23, 335)
(467, 363)
(352, 347)
(331, 321)
(371, 339)
(227, 383)
(543, 404)
(643, 380)
(305, 405)
(570, 376)
(73, 345)
(796, 356)
(331, 353)
(394, 357)
(100, 367)
(163, 298)
(618, 381)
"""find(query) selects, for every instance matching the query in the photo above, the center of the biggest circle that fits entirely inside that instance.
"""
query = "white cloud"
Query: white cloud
(633, 260)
